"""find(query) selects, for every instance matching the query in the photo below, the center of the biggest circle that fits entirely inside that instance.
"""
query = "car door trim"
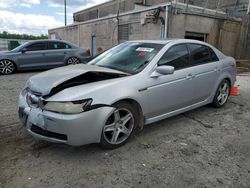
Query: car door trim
(172, 113)
(162, 84)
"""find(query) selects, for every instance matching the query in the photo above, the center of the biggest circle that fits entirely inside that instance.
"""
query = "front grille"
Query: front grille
(46, 133)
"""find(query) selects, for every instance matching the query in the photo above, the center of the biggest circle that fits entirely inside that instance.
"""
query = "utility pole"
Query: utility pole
(248, 10)
(65, 12)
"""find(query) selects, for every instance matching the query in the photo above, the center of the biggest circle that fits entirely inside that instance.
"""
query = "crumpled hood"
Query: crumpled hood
(44, 82)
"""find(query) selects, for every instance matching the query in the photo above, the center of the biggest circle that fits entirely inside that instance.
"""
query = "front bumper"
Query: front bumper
(73, 129)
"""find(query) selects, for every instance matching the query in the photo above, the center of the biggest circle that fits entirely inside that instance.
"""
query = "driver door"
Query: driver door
(34, 56)
(168, 93)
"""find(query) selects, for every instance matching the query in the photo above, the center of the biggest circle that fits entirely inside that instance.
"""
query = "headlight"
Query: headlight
(74, 107)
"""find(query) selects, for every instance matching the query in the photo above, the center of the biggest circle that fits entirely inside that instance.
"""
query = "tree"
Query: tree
(6, 35)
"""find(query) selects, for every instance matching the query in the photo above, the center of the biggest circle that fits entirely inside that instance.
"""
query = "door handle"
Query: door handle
(217, 69)
(189, 77)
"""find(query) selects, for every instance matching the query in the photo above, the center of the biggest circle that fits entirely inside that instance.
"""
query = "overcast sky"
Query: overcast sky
(37, 16)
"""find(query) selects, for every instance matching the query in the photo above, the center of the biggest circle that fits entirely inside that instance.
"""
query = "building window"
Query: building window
(123, 32)
(196, 36)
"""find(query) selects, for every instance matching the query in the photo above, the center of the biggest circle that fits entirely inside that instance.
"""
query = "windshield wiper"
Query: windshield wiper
(115, 69)
(142, 65)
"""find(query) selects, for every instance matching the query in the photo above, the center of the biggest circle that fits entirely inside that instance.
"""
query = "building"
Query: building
(222, 23)
(111, 7)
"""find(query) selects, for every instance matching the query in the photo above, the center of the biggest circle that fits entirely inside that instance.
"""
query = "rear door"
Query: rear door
(206, 68)
(56, 53)
(34, 57)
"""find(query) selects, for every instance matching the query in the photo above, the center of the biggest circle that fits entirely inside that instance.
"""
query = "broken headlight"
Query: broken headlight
(73, 107)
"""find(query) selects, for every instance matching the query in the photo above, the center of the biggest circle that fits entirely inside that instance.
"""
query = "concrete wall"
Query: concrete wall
(105, 9)
(106, 31)
(229, 38)
(69, 33)
(181, 23)
(223, 34)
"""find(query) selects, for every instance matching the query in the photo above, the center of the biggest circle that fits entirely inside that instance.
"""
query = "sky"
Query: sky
(35, 17)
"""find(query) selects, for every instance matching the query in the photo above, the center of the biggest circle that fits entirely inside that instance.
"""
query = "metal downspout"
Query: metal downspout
(166, 23)
(248, 10)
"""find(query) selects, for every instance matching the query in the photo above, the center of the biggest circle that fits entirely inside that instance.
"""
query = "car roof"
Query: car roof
(50, 40)
(47, 40)
(152, 41)
(166, 41)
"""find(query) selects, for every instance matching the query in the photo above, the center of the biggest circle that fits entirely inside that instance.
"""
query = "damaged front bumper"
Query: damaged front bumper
(72, 129)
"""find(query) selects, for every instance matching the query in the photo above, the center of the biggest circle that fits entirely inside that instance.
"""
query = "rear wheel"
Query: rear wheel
(7, 67)
(119, 126)
(73, 61)
(222, 94)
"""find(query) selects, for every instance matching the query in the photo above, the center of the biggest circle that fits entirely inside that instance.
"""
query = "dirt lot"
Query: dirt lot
(206, 147)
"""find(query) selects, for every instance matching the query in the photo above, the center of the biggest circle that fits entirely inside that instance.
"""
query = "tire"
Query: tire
(7, 67)
(73, 61)
(119, 126)
(222, 94)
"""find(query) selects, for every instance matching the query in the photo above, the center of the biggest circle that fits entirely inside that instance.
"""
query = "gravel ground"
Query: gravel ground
(206, 147)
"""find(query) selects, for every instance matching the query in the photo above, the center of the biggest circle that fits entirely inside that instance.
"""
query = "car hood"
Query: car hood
(53, 81)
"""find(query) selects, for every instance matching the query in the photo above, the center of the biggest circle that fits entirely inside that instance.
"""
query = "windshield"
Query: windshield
(130, 57)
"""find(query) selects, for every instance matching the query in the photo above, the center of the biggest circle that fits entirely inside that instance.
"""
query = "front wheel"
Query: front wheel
(119, 126)
(7, 67)
(73, 61)
(222, 94)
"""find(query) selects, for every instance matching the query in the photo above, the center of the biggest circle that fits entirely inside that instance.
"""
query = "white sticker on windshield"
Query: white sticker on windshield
(142, 49)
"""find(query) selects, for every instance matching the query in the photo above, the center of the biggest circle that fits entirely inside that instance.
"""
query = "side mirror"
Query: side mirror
(162, 70)
(23, 50)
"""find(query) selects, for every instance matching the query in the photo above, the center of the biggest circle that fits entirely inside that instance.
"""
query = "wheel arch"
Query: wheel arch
(138, 107)
(221, 78)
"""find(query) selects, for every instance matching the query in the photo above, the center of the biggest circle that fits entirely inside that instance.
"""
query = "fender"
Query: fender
(223, 75)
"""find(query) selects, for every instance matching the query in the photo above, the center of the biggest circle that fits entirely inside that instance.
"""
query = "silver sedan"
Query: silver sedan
(41, 54)
(131, 85)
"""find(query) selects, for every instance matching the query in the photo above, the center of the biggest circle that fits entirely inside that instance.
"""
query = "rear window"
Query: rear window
(199, 54)
(213, 55)
(58, 45)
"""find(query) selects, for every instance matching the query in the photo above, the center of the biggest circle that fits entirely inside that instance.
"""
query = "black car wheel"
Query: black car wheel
(73, 61)
(222, 94)
(7, 67)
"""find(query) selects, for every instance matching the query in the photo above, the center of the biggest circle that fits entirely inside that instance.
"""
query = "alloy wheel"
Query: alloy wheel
(6, 67)
(223, 93)
(73, 61)
(119, 126)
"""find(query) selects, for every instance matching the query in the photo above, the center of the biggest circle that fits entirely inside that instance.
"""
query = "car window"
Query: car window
(177, 56)
(58, 45)
(199, 54)
(36, 46)
(213, 55)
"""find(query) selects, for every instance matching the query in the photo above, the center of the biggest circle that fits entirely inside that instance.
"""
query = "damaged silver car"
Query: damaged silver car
(128, 86)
